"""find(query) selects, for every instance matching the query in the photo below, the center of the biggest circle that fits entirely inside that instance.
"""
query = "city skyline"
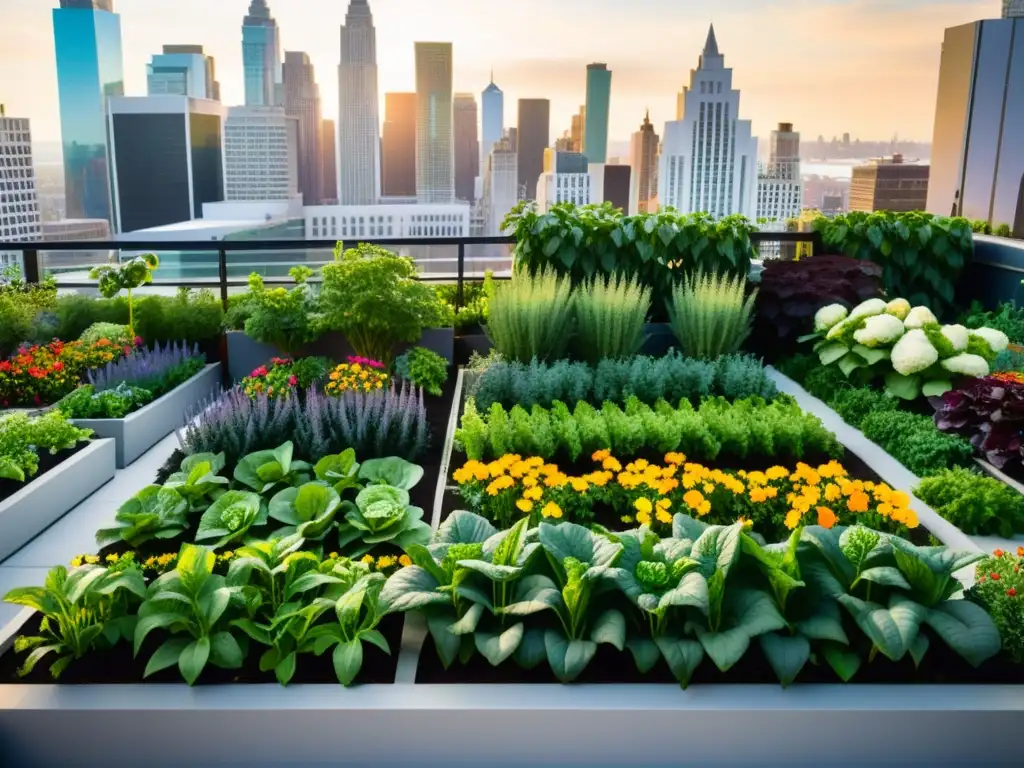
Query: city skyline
(792, 65)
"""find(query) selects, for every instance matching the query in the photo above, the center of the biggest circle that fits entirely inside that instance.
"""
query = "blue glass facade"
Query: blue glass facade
(492, 108)
(89, 70)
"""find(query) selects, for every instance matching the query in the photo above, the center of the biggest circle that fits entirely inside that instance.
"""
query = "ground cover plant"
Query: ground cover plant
(671, 377)
(742, 429)
(23, 439)
(974, 503)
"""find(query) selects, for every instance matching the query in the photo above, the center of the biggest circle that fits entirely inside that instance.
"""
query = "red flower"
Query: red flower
(997, 552)
(58, 366)
(127, 350)
(995, 577)
(293, 380)
(1011, 592)
(36, 373)
(5, 366)
(138, 341)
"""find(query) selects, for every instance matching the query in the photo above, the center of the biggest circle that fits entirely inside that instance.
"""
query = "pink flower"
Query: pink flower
(292, 380)
(259, 372)
(138, 341)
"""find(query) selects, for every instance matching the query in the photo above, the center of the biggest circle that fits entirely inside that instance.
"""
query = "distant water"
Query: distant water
(841, 169)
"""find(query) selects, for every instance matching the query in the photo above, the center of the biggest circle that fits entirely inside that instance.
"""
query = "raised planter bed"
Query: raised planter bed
(137, 432)
(51, 495)
(246, 354)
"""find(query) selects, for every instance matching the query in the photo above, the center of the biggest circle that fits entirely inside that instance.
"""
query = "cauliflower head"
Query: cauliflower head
(997, 340)
(920, 316)
(898, 308)
(968, 365)
(879, 330)
(913, 353)
(957, 335)
(828, 316)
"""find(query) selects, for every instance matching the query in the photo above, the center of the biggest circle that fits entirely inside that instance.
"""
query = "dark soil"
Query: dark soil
(118, 666)
(46, 462)
(940, 666)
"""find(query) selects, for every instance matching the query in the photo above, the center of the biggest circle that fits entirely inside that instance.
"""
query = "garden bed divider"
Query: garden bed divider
(51, 495)
(139, 431)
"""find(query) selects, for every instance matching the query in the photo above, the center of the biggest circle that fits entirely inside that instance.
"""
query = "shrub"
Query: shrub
(531, 316)
(610, 317)
(709, 315)
(284, 376)
(20, 305)
(118, 334)
(372, 296)
(158, 370)
(1007, 317)
(922, 256)
(22, 438)
(999, 589)
(977, 505)
(424, 368)
(475, 295)
(790, 292)
(88, 403)
(855, 405)
(41, 375)
(913, 440)
(286, 319)
(114, 278)
(1009, 360)
(672, 377)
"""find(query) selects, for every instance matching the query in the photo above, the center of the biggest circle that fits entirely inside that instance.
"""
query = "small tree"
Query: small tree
(128, 276)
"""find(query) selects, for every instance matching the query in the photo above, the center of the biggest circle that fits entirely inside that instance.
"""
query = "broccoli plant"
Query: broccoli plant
(128, 276)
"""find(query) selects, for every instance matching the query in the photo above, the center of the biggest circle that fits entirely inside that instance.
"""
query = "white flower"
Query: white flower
(879, 330)
(828, 316)
(867, 308)
(996, 339)
(918, 317)
(898, 308)
(957, 336)
(913, 353)
(968, 365)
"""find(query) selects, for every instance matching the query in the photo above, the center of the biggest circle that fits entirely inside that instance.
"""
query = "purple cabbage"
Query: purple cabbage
(990, 413)
(143, 366)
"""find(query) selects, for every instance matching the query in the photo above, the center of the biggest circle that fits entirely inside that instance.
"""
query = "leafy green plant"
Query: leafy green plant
(262, 470)
(999, 590)
(532, 316)
(922, 255)
(307, 510)
(198, 481)
(610, 316)
(118, 334)
(856, 404)
(84, 610)
(381, 514)
(230, 517)
(914, 441)
(710, 316)
(22, 438)
(114, 278)
(285, 318)
(393, 471)
(86, 403)
(21, 306)
(339, 470)
(191, 603)
(424, 368)
(475, 297)
(155, 512)
(374, 298)
(1006, 317)
(976, 504)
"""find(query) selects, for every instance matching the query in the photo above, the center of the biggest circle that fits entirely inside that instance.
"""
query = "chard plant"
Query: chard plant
(264, 470)
(198, 480)
(192, 604)
(155, 512)
(84, 610)
(230, 517)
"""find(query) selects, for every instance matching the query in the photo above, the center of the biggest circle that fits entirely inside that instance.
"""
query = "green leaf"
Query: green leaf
(193, 659)
(411, 588)
(195, 564)
(692, 591)
(531, 650)
(496, 573)
(166, 655)
(832, 353)
(496, 647)
(392, 471)
(421, 557)
(568, 658)
(724, 648)
(468, 623)
(850, 363)
(257, 632)
(936, 387)
(891, 629)
(147, 624)
(717, 548)
(445, 642)
(462, 527)
(786, 654)
(903, 387)
(683, 656)
(825, 624)
(610, 627)
(285, 668)
(348, 660)
(756, 612)
(869, 355)
(885, 575)
(843, 661)
(225, 652)
(374, 637)
(966, 628)
(918, 648)
(645, 653)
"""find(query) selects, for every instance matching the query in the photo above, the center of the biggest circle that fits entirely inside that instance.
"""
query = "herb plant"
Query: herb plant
(158, 370)
(976, 504)
(532, 316)
(610, 317)
(23, 437)
(424, 368)
(999, 590)
(285, 318)
(710, 315)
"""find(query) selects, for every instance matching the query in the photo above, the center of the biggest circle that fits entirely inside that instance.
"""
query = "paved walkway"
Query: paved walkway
(75, 533)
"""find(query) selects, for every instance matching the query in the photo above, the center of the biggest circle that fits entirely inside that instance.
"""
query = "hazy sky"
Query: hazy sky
(869, 67)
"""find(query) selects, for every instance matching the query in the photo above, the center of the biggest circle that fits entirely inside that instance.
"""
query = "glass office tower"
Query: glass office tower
(87, 35)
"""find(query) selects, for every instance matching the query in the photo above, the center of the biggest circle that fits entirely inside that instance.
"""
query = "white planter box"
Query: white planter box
(50, 496)
(137, 432)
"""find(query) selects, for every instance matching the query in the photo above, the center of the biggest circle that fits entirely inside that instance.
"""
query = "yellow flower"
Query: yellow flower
(832, 492)
(663, 516)
(644, 506)
(533, 494)
(529, 481)
(644, 518)
(611, 464)
(899, 499)
(675, 458)
(776, 473)
(385, 561)
(525, 505)
(333, 556)
(601, 455)
(693, 499)
(709, 488)
(793, 518)
(579, 484)
(663, 503)
(405, 561)
(551, 510)
(704, 508)
(77, 562)
(91, 559)
(112, 558)
(368, 559)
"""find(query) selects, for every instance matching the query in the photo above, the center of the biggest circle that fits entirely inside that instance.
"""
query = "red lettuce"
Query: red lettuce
(990, 413)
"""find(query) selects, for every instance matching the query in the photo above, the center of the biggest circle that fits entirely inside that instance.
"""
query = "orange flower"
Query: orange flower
(858, 502)
(826, 517)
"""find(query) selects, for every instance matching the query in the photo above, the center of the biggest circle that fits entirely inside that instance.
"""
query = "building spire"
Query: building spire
(711, 45)
(492, 75)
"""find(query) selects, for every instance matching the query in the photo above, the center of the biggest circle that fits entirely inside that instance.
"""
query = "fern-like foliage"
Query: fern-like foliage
(532, 316)
(710, 316)
(610, 316)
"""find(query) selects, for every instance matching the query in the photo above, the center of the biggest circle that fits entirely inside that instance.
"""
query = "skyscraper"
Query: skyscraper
(87, 37)
(1013, 9)
(302, 101)
(492, 121)
(533, 137)
(261, 56)
(889, 184)
(709, 156)
(779, 185)
(643, 158)
(467, 146)
(501, 184)
(977, 159)
(166, 158)
(599, 93)
(398, 159)
(435, 161)
(261, 154)
(184, 70)
(19, 204)
(358, 121)
(576, 127)
(329, 164)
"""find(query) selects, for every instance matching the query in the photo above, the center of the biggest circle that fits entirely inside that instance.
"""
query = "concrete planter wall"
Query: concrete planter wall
(50, 496)
(246, 354)
(137, 432)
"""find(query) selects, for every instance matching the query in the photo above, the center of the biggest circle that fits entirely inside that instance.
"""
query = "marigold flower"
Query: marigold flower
(793, 518)
(644, 518)
(826, 517)
(643, 505)
(533, 493)
(997, 552)
(579, 485)
(368, 559)
(601, 455)
(704, 508)
(693, 499)
(663, 516)
(858, 502)
(524, 505)
(552, 510)
(405, 561)
(611, 464)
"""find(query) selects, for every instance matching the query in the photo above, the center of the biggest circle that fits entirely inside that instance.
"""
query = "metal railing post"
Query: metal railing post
(30, 266)
(222, 271)
(461, 277)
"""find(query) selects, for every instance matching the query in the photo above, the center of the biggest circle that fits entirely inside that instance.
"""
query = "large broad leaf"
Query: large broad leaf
(645, 653)
(262, 470)
(850, 363)
(832, 352)
(682, 655)
(195, 564)
(338, 469)
(724, 648)
(166, 655)
(786, 654)
(348, 660)
(421, 556)
(885, 575)
(568, 658)
(391, 471)
(755, 612)
(936, 387)
(496, 573)
(230, 517)
(869, 355)
(193, 659)
(966, 628)
(445, 642)
(532, 594)
(311, 507)
(469, 621)
(225, 652)
(717, 548)
(903, 387)
(686, 527)
(610, 627)
(509, 547)
(497, 647)
(692, 591)
(891, 629)
(412, 588)
(843, 661)
(531, 650)
(462, 527)
(825, 624)
(571, 540)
